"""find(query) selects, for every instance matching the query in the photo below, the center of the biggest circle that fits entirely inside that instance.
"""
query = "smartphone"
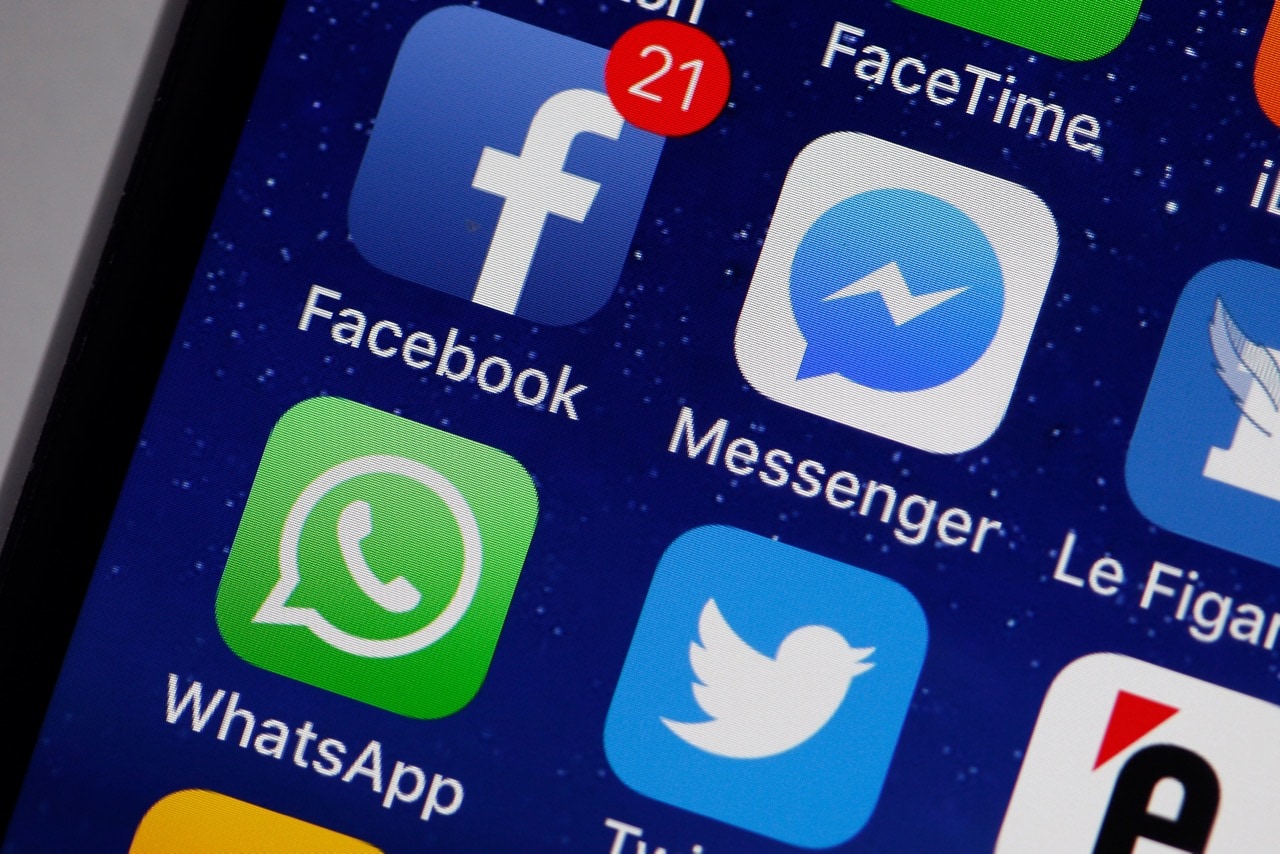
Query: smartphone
(669, 425)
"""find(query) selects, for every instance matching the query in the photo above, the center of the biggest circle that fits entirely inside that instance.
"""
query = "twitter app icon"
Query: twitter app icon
(766, 687)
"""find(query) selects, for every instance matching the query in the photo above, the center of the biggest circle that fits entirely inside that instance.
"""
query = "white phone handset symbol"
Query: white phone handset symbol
(354, 524)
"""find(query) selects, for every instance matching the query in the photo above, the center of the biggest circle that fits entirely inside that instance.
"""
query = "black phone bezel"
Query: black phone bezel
(129, 316)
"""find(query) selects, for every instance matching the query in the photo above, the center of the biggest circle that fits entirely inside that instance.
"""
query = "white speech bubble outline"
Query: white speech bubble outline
(274, 611)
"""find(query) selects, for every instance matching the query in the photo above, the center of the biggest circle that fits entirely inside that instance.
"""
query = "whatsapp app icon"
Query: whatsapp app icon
(376, 557)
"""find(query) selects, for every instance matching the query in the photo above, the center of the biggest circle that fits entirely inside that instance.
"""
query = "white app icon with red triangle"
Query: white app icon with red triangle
(1130, 757)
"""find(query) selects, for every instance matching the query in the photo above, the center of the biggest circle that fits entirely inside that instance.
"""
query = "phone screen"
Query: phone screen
(694, 426)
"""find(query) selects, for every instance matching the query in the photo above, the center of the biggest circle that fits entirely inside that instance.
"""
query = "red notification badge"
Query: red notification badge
(667, 77)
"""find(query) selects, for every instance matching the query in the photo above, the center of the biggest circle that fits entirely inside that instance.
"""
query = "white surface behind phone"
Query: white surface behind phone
(68, 70)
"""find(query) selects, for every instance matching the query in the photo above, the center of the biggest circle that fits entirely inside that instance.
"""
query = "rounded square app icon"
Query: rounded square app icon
(766, 687)
(1205, 457)
(499, 171)
(196, 820)
(1128, 756)
(896, 292)
(1065, 29)
(376, 557)
(1266, 74)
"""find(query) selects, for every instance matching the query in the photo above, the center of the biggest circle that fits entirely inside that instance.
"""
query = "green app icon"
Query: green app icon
(376, 557)
(1066, 29)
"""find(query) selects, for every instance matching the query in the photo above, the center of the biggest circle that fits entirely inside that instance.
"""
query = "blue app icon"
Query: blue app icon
(499, 171)
(896, 290)
(766, 687)
(1205, 457)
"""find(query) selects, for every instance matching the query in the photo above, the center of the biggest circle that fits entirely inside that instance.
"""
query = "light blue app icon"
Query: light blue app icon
(499, 171)
(898, 308)
(1205, 457)
(766, 687)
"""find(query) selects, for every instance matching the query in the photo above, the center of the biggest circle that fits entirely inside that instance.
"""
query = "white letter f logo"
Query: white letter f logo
(535, 185)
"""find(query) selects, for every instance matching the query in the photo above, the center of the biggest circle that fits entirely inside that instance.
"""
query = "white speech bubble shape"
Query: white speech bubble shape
(274, 610)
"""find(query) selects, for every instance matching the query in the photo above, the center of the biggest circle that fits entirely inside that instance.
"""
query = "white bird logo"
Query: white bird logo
(761, 706)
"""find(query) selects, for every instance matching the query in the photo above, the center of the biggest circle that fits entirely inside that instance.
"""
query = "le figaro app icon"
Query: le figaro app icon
(897, 292)
(776, 681)
(376, 557)
(1127, 756)
(1205, 457)
(499, 171)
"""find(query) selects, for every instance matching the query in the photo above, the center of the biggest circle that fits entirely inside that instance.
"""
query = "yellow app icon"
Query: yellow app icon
(200, 822)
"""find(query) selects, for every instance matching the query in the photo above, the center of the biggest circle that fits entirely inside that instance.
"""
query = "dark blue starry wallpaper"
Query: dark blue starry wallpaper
(1183, 143)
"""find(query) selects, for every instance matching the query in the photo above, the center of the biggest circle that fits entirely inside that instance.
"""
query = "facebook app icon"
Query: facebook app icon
(499, 171)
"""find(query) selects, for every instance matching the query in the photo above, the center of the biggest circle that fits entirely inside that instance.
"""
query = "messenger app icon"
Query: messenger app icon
(897, 292)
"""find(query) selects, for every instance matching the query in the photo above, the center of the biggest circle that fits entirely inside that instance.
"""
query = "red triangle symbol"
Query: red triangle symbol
(1131, 719)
